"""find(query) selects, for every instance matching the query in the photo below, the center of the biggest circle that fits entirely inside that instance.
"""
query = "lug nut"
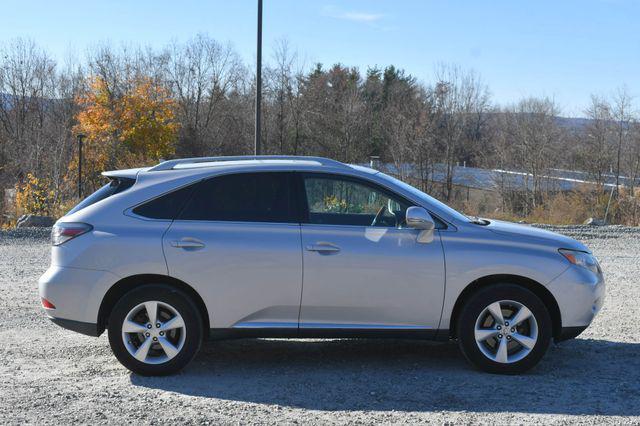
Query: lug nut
(513, 330)
(499, 327)
(499, 336)
(508, 337)
(147, 334)
(162, 333)
(155, 339)
(148, 325)
(158, 325)
(506, 323)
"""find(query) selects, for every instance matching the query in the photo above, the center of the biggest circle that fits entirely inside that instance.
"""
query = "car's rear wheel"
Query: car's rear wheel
(155, 330)
(504, 329)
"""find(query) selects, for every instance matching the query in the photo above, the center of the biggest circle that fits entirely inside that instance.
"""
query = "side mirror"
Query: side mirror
(419, 218)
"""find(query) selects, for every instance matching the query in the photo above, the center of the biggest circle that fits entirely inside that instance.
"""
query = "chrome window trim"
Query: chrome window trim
(450, 227)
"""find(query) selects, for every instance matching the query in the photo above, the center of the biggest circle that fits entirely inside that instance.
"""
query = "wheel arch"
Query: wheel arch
(535, 287)
(127, 284)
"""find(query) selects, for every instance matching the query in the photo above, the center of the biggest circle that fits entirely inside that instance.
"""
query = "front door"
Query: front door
(363, 269)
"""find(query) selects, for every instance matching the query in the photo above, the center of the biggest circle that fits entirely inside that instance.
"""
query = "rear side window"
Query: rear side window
(166, 206)
(114, 187)
(244, 197)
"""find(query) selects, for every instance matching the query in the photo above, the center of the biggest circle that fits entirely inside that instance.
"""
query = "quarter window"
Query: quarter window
(243, 197)
(339, 201)
(116, 186)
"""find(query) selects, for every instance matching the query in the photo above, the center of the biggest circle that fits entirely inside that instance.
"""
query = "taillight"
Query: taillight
(46, 304)
(63, 232)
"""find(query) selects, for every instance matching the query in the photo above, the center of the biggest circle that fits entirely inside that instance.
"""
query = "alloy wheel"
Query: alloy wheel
(153, 332)
(506, 331)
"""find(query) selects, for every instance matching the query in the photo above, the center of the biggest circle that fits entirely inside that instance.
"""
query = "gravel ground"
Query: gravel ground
(49, 375)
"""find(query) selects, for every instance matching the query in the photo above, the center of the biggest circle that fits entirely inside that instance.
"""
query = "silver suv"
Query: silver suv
(299, 247)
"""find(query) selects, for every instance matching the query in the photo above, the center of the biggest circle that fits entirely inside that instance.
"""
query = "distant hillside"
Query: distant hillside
(573, 123)
(7, 100)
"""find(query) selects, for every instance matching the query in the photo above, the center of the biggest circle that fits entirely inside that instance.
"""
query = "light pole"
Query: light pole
(258, 81)
(80, 137)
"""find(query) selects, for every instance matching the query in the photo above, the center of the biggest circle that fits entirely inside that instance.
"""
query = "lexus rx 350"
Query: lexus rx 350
(166, 256)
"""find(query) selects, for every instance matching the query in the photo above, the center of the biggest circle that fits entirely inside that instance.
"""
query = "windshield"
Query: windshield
(429, 199)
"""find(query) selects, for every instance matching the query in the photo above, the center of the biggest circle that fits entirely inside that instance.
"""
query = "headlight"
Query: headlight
(582, 259)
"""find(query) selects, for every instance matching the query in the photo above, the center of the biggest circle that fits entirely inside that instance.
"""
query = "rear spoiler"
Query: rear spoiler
(123, 174)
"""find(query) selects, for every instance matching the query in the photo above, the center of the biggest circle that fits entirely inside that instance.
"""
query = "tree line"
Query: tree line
(137, 105)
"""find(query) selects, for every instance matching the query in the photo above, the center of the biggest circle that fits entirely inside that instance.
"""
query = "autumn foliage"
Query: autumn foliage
(129, 129)
(35, 196)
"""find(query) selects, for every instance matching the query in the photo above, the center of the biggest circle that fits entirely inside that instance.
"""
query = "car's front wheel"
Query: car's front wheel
(155, 330)
(504, 329)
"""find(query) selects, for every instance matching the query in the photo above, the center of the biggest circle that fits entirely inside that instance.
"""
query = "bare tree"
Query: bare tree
(408, 120)
(596, 152)
(532, 139)
(284, 107)
(621, 113)
(36, 108)
(203, 75)
(461, 100)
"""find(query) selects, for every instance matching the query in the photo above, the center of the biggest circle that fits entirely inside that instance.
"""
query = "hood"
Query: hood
(517, 231)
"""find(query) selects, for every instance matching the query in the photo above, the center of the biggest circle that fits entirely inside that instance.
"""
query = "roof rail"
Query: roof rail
(170, 164)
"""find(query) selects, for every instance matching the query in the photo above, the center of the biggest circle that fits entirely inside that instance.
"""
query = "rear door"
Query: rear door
(237, 242)
(363, 269)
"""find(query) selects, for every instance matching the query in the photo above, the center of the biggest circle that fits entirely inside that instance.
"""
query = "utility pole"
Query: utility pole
(257, 147)
(80, 139)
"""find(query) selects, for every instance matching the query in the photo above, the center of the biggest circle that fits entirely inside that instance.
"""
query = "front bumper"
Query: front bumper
(580, 295)
(567, 333)
(77, 294)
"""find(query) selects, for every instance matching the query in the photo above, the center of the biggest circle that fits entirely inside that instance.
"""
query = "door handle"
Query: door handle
(323, 248)
(187, 243)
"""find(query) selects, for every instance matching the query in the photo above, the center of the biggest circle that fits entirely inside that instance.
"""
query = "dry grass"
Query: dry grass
(566, 208)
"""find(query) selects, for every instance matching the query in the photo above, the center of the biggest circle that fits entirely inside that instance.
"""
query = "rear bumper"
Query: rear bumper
(86, 328)
(76, 294)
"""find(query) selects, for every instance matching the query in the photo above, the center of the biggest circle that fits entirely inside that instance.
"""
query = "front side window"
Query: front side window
(243, 197)
(343, 201)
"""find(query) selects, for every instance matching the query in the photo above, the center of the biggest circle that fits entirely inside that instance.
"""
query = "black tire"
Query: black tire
(176, 299)
(474, 307)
